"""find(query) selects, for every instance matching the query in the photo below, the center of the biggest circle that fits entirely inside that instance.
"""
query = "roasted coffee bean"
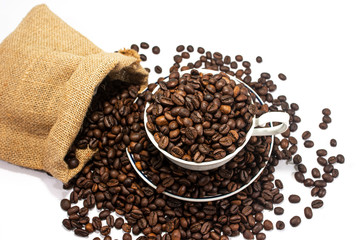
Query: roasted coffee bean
(321, 193)
(322, 161)
(282, 76)
(318, 203)
(280, 225)
(306, 135)
(126, 236)
(340, 158)
(333, 142)
(320, 183)
(81, 232)
(323, 125)
(65, 204)
(135, 47)
(308, 213)
(302, 168)
(327, 177)
(119, 222)
(293, 198)
(315, 173)
(295, 221)
(326, 111)
(180, 48)
(278, 211)
(158, 69)
(268, 225)
(321, 152)
(308, 144)
(308, 182)
(67, 224)
(258, 59)
(156, 50)
(297, 159)
(299, 177)
(144, 45)
(279, 184)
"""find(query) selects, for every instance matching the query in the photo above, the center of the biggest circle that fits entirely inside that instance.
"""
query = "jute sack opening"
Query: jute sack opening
(48, 75)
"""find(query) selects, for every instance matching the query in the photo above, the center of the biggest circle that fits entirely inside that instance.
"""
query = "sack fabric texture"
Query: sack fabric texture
(48, 75)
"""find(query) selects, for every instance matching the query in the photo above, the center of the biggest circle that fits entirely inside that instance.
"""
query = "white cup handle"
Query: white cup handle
(281, 117)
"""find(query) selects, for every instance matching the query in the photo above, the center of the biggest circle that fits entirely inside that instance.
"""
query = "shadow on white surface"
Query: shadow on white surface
(52, 184)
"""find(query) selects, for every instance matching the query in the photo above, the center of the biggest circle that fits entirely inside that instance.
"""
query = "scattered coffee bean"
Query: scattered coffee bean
(333, 142)
(180, 48)
(308, 144)
(306, 135)
(156, 50)
(308, 213)
(295, 221)
(323, 125)
(135, 47)
(268, 225)
(280, 225)
(144, 45)
(65, 204)
(315, 173)
(259, 59)
(293, 198)
(340, 158)
(278, 211)
(318, 203)
(282, 76)
(326, 111)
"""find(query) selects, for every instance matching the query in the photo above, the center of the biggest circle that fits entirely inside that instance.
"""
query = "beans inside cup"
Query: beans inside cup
(200, 117)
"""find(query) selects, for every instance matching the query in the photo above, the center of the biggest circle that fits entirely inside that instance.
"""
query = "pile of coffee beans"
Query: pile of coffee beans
(126, 203)
(200, 117)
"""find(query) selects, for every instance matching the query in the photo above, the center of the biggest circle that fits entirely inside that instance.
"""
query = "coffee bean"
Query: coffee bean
(299, 177)
(144, 45)
(318, 203)
(180, 48)
(326, 111)
(67, 224)
(65, 204)
(308, 213)
(81, 232)
(327, 177)
(308, 144)
(143, 57)
(201, 50)
(320, 183)
(322, 161)
(302, 168)
(282, 76)
(73, 163)
(278, 211)
(333, 142)
(321, 152)
(156, 50)
(293, 198)
(158, 69)
(321, 193)
(268, 225)
(238, 58)
(308, 182)
(279, 184)
(135, 47)
(126, 236)
(297, 159)
(340, 158)
(258, 59)
(119, 222)
(280, 225)
(326, 119)
(323, 125)
(295, 221)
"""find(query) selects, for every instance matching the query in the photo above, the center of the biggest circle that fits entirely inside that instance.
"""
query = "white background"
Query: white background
(315, 43)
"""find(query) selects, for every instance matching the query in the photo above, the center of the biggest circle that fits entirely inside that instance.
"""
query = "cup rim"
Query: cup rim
(191, 165)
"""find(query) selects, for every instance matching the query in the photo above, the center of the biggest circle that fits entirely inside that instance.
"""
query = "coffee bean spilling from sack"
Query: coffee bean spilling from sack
(109, 183)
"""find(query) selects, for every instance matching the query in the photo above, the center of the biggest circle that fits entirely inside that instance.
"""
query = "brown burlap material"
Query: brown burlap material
(48, 75)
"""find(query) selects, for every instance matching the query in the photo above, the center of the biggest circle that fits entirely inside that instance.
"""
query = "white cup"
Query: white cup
(257, 129)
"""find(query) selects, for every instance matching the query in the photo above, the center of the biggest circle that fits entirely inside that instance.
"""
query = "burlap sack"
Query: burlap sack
(48, 74)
